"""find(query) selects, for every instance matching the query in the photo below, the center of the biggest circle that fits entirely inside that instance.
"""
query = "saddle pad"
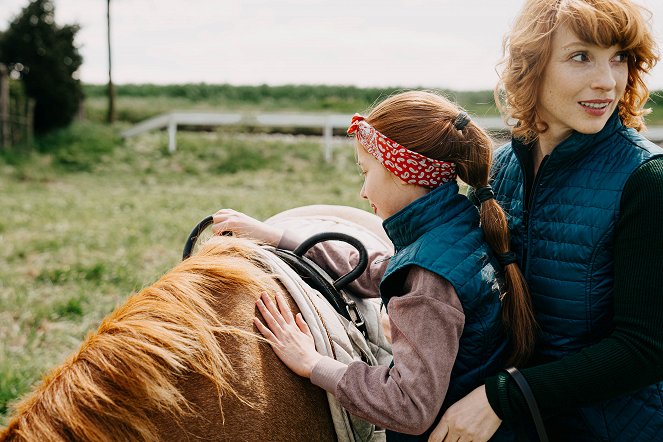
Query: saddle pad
(309, 220)
(338, 338)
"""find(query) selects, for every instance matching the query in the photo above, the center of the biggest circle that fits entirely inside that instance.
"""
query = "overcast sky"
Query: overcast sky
(438, 43)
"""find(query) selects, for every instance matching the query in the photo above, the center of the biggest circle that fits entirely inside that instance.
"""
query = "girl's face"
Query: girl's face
(385, 192)
(580, 87)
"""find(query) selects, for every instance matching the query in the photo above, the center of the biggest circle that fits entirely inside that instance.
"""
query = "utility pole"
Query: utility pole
(4, 107)
(111, 88)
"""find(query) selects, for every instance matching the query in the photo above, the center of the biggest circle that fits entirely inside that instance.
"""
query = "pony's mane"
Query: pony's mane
(128, 369)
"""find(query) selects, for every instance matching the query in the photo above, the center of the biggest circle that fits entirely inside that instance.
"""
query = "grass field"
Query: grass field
(138, 102)
(83, 228)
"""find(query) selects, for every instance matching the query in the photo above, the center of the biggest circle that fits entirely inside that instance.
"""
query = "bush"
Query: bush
(79, 147)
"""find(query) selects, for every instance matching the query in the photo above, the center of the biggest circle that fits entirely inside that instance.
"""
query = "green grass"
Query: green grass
(89, 223)
(136, 102)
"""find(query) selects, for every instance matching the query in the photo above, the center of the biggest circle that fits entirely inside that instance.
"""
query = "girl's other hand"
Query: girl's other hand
(469, 419)
(289, 336)
(386, 325)
(240, 224)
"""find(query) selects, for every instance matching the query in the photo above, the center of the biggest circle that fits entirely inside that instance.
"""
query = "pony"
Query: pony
(181, 360)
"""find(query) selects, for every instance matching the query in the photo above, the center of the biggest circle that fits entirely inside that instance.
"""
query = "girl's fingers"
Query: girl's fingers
(224, 212)
(273, 310)
(266, 332)
(219, 217)
(221, 221)
(219, 225)
(284, 308)
(303, 326)
(217, 229)
(272, 323)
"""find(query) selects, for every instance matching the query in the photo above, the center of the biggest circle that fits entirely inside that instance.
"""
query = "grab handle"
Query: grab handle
(353, 274)
(195, 233)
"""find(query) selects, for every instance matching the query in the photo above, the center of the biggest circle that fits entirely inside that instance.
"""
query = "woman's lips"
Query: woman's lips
(595, 107)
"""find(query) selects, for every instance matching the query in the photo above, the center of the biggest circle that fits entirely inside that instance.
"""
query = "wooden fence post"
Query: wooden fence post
(172, 134)
(328, 135)
(4, 107)
(30, 121)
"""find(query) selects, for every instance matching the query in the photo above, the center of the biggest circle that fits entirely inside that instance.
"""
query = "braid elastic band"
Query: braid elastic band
(506, 258)
(411, 167)
(484, 193)
(461, 120)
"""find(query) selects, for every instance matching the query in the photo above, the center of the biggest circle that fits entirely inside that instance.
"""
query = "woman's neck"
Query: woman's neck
(548, 140)
(545, 144)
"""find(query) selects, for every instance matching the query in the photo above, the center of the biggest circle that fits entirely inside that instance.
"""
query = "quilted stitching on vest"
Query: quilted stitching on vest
(566, 254)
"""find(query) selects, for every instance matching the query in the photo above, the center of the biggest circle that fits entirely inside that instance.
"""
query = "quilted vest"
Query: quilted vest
(440, 232)
(563, 231)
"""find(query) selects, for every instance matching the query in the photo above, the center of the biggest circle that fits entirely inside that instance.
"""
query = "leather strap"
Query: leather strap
(317, 278)
(522, 384)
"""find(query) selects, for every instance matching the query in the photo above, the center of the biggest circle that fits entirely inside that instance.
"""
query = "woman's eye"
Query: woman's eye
(621, 57)
(581, 56)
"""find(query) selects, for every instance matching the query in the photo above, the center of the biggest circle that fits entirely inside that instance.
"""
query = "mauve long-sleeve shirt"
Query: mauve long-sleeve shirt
(426, 325)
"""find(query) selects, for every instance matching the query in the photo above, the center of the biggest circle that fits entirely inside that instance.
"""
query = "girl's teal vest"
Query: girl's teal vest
(440, 232)
(564, 242)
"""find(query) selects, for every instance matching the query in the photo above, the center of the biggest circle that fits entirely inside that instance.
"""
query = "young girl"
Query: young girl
(584, 191)
(440, 287)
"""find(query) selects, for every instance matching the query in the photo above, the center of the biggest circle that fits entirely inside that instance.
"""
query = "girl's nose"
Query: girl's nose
(362, 191)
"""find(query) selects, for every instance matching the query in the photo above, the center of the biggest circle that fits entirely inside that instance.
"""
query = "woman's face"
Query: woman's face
(385, 192)
(580, 86)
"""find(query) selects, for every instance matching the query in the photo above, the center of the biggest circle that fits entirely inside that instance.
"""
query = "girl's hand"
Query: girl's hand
(469, 419)
(228, 220)
(386, 325)
(290, 337)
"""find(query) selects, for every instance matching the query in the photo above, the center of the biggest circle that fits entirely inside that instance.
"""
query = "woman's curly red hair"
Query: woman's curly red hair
(602, 22)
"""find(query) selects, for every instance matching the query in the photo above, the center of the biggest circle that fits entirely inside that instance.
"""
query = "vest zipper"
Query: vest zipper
(528, 200)
(524, 157)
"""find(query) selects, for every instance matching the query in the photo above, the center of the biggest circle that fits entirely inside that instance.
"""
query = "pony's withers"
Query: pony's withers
(179, 361)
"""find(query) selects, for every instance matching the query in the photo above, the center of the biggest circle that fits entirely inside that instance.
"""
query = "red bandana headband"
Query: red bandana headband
(409, 166)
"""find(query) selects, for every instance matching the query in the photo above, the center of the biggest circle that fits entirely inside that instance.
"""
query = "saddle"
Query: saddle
(332, 290)
(345, 327)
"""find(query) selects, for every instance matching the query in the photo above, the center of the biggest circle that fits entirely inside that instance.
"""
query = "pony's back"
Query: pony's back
(179, 361)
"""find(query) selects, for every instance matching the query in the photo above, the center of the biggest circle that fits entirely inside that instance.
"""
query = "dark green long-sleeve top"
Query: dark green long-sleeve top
(631, 356)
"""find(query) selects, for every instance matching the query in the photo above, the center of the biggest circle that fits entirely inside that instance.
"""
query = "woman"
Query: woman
(584, 193)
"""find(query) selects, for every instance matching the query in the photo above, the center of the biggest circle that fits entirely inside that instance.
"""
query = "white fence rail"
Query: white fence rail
(327, 122)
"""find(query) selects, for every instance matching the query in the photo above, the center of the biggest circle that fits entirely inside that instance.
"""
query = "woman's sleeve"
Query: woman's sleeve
(338, 258)
(631, 356)
(426, 325)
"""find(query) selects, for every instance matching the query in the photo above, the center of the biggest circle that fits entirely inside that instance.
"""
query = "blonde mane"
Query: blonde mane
(130, 367)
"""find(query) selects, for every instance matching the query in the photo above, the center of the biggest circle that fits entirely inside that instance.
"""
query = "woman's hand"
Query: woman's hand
(290, 337)
(228, 220)
(469, 419)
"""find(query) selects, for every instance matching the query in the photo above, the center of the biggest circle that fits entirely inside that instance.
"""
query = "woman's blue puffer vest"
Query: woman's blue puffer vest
(563, 237)
(440, 232)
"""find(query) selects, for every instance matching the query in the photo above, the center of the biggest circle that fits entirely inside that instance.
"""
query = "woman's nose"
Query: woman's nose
(604, 76)
(362, 191)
